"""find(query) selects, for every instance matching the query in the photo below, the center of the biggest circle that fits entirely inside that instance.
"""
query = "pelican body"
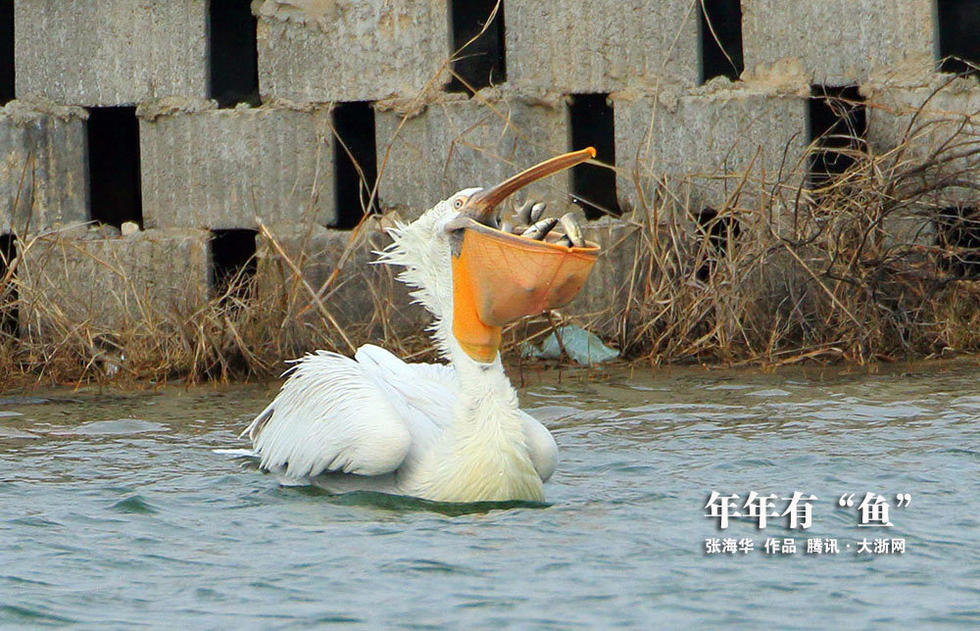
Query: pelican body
(449, 432)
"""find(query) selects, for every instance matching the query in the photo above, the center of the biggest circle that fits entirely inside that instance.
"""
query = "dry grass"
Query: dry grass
(244, 328)
(866, 266)
(124, 334)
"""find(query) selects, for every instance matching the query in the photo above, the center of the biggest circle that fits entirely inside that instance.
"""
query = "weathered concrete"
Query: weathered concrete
(601, 45)
(701, 144)
(111, 52)
(111, 282)
(209, 168)
(456, 143)
(945, 113)
(361, 297)
(932, 132)
(838, 42)
(43, 175)
(350, 50)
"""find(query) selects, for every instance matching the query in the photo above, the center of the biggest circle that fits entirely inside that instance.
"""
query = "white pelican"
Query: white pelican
(444, 432)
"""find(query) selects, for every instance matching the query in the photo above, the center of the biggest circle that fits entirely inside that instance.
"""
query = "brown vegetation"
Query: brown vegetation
(875, 263)
(866, 265)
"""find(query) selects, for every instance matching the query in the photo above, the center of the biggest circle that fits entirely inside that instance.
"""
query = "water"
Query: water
(116, 512)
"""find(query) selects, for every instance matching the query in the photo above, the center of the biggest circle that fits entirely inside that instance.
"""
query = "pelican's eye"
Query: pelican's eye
(459, 202)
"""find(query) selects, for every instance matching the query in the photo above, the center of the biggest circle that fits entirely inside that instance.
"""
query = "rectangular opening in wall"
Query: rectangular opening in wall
(721, 39)
(8, 288)
(592, 125)
(482, 62)
(6, 51)
(959, 42)
(958, 235)
(838, 127)
(114, 165)
(233, 263)
(355, 162)
(717, 234)
(233, 53)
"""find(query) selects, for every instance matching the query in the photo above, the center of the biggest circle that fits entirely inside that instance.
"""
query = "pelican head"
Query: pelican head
(473, 277)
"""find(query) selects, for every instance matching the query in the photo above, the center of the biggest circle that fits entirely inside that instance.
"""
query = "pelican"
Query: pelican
(447, 432)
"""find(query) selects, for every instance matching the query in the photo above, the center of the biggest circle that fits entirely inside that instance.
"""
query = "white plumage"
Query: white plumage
(441, 432)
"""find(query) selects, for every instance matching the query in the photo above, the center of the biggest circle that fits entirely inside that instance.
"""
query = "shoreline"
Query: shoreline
(524, 374)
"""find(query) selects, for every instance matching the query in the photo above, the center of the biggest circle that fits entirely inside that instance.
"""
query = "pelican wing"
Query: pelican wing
(365, 416)
(428, 387)
(332, 414)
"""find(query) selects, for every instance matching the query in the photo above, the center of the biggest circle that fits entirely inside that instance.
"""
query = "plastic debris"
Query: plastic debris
(580, 345)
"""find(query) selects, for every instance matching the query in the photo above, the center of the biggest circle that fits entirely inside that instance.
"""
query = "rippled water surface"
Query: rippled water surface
(115, 511)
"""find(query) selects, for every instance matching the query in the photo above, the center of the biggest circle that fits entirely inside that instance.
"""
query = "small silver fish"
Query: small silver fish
(536, 211)
(572, 230)
(540, 229)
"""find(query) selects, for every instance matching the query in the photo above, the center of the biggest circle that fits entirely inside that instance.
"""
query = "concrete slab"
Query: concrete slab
(455, 143)
(111, 52)
(209, 168)
(108, 283)
(362, 298)
(926, 119)
(838, 42)
(701, 144)
(351, 50)
(601, 46)
(44, 172)
(929, 137)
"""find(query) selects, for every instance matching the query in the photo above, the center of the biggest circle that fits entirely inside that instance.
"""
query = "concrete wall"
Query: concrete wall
(934, 117)
(457, 143)
(926, 119)
(43, 173)
(839, 42)
(208, 168)
(107, 283)
(710, 145)
(602, 45)
(111, 52)
(350, 50)
(362, 298)
(202, 167)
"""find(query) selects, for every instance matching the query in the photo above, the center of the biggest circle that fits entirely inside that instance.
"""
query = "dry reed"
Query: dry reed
(875, 263)
(866, 265)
